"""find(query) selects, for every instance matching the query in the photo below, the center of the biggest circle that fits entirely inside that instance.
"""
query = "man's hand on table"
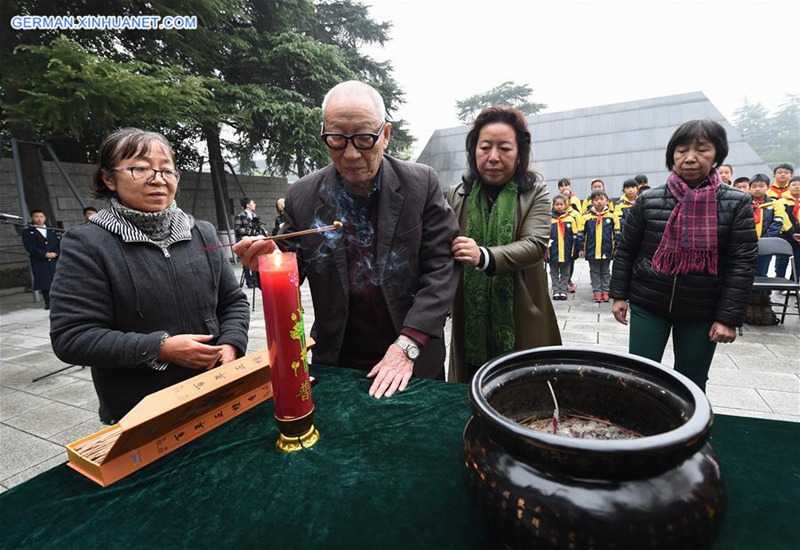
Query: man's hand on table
(391, 374)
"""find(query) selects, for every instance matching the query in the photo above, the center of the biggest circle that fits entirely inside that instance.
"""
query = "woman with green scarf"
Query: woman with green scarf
(502, 303)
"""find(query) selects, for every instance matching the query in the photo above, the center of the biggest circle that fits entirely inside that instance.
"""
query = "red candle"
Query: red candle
(286, 339)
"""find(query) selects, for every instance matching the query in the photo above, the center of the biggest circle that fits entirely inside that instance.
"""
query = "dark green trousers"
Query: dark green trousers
(693, 350)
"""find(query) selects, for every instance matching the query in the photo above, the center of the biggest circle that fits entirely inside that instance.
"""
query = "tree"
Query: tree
(258, 68)
(785, 125)
(507, 93)
(299, 59)
(73, 87)
(102, 94)
(776, 138)
(752, 120)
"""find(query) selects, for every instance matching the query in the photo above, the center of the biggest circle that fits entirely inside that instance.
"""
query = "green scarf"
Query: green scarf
(489, 301)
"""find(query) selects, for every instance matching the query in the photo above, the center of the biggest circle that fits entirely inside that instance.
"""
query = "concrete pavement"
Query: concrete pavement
(757, 376)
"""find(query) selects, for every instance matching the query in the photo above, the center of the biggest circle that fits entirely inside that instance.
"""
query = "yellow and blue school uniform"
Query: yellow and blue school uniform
(769, 216)
(599, 235)
(778, 192)
(791, 210)
(576, 205)
(587, 206)
(622, 209)
(563, 233)
(791, 226)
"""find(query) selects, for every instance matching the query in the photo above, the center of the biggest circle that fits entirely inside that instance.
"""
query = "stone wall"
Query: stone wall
(195, 196)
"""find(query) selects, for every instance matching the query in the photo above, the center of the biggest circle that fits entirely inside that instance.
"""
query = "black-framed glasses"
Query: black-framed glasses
(361, 142)
(149, 174)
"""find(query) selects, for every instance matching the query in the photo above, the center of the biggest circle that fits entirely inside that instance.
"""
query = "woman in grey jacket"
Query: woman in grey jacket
(135, 297)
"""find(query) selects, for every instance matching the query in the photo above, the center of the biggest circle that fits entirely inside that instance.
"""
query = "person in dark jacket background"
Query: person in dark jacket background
(135, 297)
(43, 245)
(247, 224)
(687, 257)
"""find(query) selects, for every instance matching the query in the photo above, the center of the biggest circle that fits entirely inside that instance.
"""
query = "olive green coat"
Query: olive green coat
(535, 323)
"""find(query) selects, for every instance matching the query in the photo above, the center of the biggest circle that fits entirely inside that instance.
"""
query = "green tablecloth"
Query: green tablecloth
(385, 474)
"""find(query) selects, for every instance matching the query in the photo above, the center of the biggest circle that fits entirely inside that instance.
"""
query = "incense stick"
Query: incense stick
(97, 448)
(335, 226)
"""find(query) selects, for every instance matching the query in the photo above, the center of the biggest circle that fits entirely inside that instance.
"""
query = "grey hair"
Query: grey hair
(356, 86)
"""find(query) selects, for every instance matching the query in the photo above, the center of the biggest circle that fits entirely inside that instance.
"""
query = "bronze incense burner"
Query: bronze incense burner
(539, 490)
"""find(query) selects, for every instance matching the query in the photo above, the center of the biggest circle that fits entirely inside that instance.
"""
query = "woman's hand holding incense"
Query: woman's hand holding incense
(249, 249)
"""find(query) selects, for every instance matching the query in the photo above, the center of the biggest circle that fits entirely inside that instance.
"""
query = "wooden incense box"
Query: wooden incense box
(170, 418)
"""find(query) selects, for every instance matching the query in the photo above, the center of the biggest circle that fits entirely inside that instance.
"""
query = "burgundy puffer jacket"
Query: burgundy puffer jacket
(721, 297)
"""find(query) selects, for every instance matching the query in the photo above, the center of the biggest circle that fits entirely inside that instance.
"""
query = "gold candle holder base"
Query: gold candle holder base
(290, 444)
(297, 434)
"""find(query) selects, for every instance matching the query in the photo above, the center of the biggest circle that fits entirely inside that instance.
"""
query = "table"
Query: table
(386, 474)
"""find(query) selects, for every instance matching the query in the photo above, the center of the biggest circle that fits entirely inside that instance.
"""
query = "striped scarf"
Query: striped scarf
(689, 242)
(160, 228)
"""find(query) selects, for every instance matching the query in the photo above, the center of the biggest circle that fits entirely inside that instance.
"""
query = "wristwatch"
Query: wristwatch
(409, 348)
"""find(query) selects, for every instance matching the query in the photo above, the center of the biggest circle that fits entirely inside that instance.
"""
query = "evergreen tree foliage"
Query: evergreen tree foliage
(255, 70)
(507, 93)
(775, 137)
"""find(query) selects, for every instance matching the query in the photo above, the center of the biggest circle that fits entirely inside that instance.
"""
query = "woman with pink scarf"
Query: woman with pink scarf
(687, 257)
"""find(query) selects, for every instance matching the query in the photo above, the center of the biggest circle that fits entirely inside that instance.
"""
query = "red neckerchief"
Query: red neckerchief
(757, 210)
(795, 209)
(600, 215)
(561, 228)
(778, 190)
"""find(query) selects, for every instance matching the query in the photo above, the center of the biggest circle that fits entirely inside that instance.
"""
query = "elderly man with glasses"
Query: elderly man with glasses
(383, 286)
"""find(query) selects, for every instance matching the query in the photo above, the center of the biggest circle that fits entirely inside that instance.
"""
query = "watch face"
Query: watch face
(412, 352)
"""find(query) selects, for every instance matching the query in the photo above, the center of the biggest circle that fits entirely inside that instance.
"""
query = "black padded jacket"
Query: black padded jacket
(721, 297)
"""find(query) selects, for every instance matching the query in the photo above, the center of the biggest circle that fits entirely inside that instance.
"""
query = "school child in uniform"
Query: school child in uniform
(768, 214)
(791, 227)
(630, 189)
(596, 185)
(742, 183)
(565, 188)
(597, 242)
(560, 253)
(779, 189)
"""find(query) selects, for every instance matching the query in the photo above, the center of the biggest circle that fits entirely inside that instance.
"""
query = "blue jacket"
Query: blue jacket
(563, 236)
(599, 235)
(768, 216)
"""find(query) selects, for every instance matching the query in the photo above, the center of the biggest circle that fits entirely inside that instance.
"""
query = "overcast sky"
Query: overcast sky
(580, 54)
